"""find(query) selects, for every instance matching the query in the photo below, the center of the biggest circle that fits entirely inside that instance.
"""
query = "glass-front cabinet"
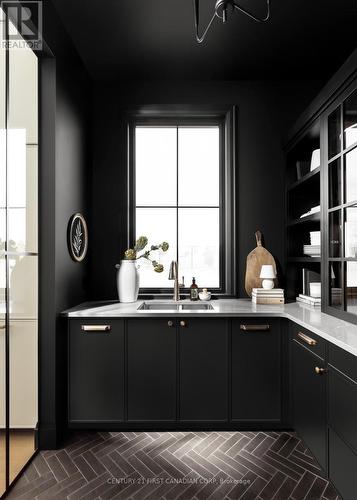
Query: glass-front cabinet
(341, 208)
(18, 257)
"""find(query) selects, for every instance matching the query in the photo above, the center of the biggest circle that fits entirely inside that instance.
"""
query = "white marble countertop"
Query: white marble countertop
(334, 330)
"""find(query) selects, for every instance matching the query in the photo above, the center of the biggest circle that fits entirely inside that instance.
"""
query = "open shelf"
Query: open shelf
(309, 218)
(304, 259)
(308, 177)
(301, 196)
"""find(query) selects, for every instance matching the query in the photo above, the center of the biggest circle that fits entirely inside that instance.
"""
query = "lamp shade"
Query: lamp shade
(267, 272)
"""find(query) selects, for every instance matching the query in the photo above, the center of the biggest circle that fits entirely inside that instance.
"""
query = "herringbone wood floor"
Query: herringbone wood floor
(170, 465)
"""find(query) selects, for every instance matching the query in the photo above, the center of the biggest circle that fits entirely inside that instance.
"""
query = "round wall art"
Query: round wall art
(77, 237)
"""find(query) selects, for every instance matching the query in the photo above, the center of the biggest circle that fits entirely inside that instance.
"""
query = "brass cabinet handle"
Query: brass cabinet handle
(255, 328)
(182, 323)
(170, 323)
(2, 327)
(96, 328)
(306, 339)
(319, 371)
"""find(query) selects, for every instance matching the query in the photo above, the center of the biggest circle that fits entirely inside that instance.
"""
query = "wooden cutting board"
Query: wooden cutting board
(255, 260)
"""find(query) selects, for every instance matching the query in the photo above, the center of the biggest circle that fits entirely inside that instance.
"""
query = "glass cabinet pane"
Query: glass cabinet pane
(350, 120)
(351, 232)
(351, 287)
(335, 183)
(2, 376)
(351, 176)
(22, 203)
(335, 281)
(2, 261)
(334, 133)
(335, 234)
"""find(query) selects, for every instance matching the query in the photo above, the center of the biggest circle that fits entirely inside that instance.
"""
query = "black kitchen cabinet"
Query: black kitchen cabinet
(309, 399)
(256, 370)
(151, 369)
(96, 371)
(203, 377)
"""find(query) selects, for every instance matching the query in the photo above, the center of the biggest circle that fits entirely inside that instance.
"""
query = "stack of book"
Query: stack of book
(263, 296)
(311, 301)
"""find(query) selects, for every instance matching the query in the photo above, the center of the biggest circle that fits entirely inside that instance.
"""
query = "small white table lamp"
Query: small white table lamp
(268, 274)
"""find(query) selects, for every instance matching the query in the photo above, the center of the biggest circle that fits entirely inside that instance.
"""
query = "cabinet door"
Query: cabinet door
(151, 370)
(203, 370)
(256, 370)
(309, 396)
(96, 371)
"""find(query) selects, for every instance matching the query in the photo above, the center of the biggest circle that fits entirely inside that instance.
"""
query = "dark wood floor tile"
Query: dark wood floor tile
(68, 464)
(272, 486)
(92, 460)
(235, 449)
(317, 489)
(330, 493)
(259, 462)
(242, 486)
(178, 464)
(206, 442)
(216, 443)
(303, 486)
(149, 463)
(252, 493)
(122, 463)
(285, 491)
(195, 466)
(209, 488)
(289, 446)
(264, 447)
(280, 442)
(278, 465)
(85, 469)
(206, 463)
(253, 443)
(200, 465)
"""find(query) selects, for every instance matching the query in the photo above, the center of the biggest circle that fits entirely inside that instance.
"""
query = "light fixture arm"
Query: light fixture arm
(252, 16)
(222, 14)
(199, 38)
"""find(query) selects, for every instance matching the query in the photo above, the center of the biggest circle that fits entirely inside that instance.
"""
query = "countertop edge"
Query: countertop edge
(328, 327)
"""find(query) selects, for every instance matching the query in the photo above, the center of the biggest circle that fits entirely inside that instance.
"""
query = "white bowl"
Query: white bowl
(205, 296)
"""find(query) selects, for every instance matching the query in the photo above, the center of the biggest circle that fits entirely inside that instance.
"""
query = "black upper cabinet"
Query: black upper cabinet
(151, 369)
(96, 371)
(256, 370)
(309, 399)
(203, 369)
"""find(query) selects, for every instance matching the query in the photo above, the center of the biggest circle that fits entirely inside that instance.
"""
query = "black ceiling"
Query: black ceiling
(154, 39)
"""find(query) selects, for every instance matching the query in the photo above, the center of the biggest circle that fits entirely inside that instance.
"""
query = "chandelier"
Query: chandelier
(221, 11)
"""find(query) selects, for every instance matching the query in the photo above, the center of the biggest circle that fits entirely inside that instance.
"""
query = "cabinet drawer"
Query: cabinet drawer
(342, 467)
(343, 407)
(96, 370)
(310, 340)
(343, 361)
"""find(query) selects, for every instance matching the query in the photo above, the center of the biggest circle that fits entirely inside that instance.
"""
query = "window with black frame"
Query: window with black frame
(178, 176)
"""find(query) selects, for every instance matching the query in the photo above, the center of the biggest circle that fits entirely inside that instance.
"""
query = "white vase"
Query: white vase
(128, 281)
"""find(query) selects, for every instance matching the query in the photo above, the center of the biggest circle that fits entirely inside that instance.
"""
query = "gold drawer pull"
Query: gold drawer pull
(170, 323)
(255, 328)
(183, 323)
(96, 328)
(306, 339)
(319, 371)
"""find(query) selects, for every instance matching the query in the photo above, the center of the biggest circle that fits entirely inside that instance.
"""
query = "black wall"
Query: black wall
(65, 169)
(265, 111)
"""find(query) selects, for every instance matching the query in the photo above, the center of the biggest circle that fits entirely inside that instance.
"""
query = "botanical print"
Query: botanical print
(77, 239)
